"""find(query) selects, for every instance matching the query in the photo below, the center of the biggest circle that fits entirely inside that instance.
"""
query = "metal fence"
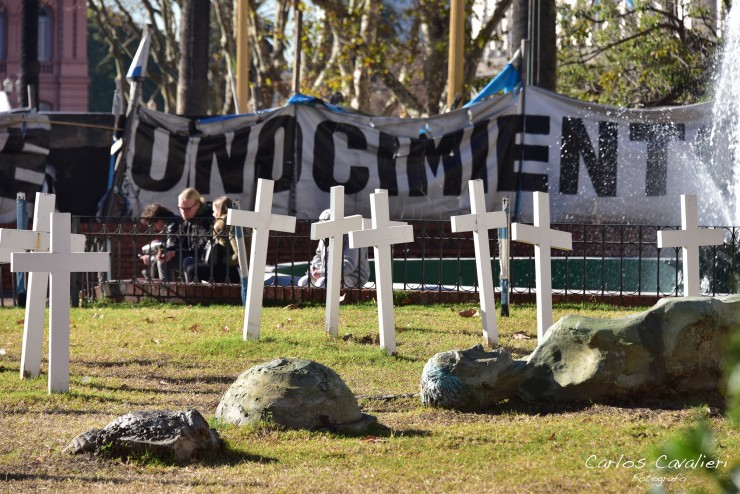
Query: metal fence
(606, 261)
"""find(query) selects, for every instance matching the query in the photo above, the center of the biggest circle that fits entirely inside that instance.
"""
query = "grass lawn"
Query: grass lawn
(148, 357)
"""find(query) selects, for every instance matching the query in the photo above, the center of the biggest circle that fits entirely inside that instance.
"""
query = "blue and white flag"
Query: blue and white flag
(138, 64)
(509, 79)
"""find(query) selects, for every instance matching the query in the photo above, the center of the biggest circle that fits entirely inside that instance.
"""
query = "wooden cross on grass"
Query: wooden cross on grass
(334, 229)
(480, 222)
(261, 221)
(36, 240)
(380, 237)
(690, 238)
(59, 262)
(543, 238)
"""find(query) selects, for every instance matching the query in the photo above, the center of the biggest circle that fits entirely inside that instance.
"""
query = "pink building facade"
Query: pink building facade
(63, 73)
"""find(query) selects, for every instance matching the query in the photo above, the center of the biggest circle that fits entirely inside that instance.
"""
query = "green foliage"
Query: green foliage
(733, 380)
(101, 70)
(642, 57)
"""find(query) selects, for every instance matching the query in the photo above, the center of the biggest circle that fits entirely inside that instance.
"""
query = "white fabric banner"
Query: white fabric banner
(599, 164)
(612, 165)
(24, 146)
(425, 164)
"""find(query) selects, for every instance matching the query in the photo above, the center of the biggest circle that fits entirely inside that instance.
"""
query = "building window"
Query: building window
(45, 38)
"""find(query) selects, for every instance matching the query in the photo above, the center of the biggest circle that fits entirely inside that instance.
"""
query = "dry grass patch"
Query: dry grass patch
(164, 357)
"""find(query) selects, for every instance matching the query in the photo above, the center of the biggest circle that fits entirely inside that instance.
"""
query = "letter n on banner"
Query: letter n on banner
(575, 144)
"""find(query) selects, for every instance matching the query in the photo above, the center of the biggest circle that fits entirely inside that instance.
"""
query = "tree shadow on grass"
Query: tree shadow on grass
(230, 456)
(14, 370)
(714, 402)
(178, 386)
(225, 456)
(160, 484)
(383, 431)
(376, 431)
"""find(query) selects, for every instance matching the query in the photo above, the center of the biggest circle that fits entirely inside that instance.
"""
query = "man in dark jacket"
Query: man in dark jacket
(186, 248)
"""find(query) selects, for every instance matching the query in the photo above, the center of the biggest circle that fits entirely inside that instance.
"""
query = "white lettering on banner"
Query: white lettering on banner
(30, 176)
(599, 164)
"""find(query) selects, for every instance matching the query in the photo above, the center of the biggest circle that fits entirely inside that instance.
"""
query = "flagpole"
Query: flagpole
(504, 255)
(526, 81)
(136, 74)
(243, 256)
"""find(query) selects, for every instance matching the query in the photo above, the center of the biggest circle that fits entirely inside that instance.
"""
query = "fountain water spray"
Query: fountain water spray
(725, 132)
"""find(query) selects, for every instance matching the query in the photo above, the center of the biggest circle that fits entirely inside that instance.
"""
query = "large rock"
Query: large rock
(295, 393)
(169, 435)
(676, 348)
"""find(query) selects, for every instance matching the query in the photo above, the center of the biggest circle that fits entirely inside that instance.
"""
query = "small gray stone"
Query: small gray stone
(294, 393)
(168, 435)
(676, 348)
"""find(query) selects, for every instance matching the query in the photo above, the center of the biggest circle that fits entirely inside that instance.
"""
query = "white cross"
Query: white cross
(36, 240)
(543, 238)
(480, 222)
(334, 230)
(261, 221)
(59, 262)
(5, 254)
(380, 237)
(690, 238)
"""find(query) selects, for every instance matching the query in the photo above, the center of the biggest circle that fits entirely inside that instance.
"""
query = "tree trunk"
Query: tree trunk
(192, 86)
(361, 75)
(29, 69)
(547, 55)
(435, 22)
(519, 30)
(542, 40)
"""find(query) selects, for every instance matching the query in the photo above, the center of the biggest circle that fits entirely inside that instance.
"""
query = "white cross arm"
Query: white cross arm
(19, 240)
(367, 223)
(529, 234)
(247, 219)
(281, 223)
(685, 238)
(334, 228)
(5, 255)
(62, 262)
(478, 222)
(258, 221)
(386, 236)
(464, 223)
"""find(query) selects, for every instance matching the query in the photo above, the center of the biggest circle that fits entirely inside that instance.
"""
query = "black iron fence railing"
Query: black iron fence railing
(606, 260)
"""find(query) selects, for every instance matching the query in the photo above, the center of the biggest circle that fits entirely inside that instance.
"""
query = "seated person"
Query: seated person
(160, 220)
(355, 266)
(220, 262)
(184, 250)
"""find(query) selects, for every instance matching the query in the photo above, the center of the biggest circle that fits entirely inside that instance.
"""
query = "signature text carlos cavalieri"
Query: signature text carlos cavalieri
(662, 462)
